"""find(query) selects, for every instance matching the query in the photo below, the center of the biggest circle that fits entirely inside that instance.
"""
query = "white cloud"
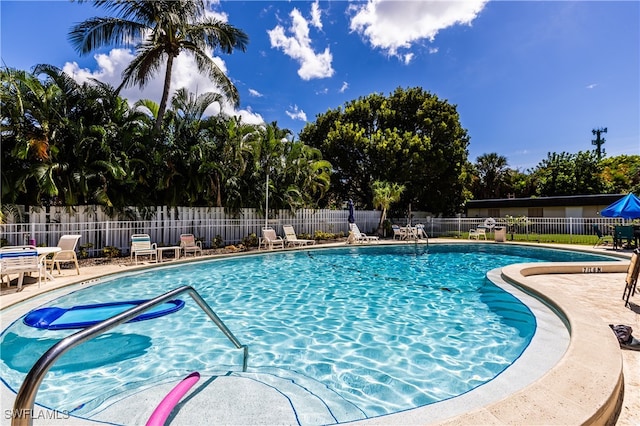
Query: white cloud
(316, 13)
(298, 46)
(296, 114)
(255, 93)
(344, 87)
(592, 86)
(392, 25)
(109, 70)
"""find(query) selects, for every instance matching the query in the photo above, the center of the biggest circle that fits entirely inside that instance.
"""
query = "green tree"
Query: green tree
(568, 174)
(492, 176)
(410, 137)
(621, 174)
(163, 30)
(385, 194)
(190, 162)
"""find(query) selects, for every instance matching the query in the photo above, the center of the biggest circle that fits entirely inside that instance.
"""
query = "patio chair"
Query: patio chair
(292, 240)
(632, 277)
(397, 232)
(270, 239)
(420, 231)
(360, 237)
(623, 234)
(477, 233)
(67, 253)
(20, 260)
(603, 239)
(141, 246)
(188, 244)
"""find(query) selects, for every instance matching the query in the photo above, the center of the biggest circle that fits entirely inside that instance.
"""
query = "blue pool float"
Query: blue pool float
(83, 316)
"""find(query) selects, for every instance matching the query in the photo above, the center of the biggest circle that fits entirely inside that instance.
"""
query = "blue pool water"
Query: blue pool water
(383, 328)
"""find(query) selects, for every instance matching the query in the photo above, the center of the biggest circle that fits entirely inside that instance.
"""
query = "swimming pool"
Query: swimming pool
(365, 322)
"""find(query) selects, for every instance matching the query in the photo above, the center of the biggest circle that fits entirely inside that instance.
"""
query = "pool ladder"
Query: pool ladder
(23, 407)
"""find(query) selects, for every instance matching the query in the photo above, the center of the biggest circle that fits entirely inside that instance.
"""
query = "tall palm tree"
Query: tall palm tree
(162, 30)
(493, 171)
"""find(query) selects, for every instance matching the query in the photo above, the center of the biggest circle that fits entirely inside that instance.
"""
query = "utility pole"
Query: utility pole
(599, 141)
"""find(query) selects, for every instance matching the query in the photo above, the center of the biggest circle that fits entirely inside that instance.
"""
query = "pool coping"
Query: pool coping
(593, 352)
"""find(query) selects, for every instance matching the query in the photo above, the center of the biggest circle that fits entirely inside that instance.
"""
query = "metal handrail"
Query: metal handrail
(23, 406)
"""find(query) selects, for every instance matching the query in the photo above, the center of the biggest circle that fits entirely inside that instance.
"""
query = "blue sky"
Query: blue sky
(528, 78)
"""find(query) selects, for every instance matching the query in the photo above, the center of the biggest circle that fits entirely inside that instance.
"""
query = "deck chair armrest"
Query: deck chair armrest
(61, 255)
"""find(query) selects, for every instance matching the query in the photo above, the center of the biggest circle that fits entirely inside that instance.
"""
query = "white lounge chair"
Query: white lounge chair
(360, 237)
(477, 233)
(292, 240)
(188, 244)
(397, 232)
(270, 239)
(141, 246)
(421, 232)
(20, 260)
(67, 253)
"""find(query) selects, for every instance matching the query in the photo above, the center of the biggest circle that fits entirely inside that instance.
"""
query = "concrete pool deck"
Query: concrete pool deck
(583, 388)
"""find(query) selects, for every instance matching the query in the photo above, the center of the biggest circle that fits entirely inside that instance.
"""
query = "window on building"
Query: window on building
(494, 212)
(535, 212)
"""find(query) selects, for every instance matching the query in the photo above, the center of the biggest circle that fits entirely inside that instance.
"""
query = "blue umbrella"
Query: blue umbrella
(351, 219)
(628, 207)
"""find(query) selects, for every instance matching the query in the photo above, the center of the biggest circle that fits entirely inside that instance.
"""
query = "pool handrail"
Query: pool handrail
(22, 413)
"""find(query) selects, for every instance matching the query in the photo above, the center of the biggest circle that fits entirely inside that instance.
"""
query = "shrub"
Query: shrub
(250, 240)
(217, 242)
(111, 252)
(83, 251)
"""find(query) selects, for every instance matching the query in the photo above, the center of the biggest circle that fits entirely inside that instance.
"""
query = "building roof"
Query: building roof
(571, 200)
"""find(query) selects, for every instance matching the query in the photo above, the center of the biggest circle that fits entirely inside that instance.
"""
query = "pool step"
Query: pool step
(269, 396)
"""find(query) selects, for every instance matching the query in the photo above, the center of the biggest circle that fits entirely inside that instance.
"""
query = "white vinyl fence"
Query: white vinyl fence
(164, 225)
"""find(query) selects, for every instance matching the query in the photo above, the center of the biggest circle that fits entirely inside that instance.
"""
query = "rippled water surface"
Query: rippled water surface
(384, 328)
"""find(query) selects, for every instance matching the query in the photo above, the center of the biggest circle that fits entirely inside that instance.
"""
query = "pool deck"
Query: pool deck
(591, 382)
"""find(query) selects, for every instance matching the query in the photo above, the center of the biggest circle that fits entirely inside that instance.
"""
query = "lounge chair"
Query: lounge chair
(397, 232)
(360, 237)
(141, 246)
(188, 244)
(291, 239)
(602, 238)
(420, 231)
(20, 260)
(477, 233)
(270, 239)
(632, 277)
(67, 253)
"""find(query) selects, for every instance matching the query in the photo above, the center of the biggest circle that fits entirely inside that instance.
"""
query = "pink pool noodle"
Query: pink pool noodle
(162, 411)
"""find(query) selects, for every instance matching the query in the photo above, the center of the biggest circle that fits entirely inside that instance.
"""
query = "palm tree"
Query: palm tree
(493, 172)
(191, 158)
(308, 172)
(268, 151)
(385, 194)
(163, 29)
